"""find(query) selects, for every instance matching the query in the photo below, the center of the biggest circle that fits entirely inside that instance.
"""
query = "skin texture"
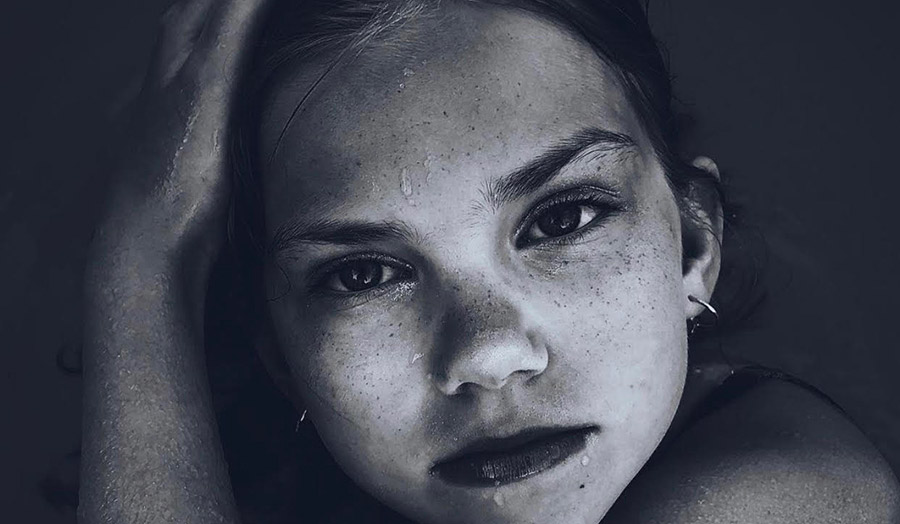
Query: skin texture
(484, 338)
(151, 451)
(777, 454)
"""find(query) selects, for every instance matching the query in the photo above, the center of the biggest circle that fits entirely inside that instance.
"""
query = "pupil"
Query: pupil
(361, 275)
(560, 220)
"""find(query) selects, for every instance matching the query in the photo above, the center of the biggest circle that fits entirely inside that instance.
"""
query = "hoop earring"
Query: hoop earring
(709, 308)
(300, 421)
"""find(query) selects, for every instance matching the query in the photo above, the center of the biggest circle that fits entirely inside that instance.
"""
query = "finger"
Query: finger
(187, 15)
(226, 37)
(180, 26)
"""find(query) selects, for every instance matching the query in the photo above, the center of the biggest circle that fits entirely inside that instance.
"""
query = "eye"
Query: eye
(561, 219)
(568, 215)
(357, 275)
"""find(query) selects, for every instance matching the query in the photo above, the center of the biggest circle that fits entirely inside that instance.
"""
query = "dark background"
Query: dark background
(796, 100)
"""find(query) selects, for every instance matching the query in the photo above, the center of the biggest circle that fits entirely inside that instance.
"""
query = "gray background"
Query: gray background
(796, 100)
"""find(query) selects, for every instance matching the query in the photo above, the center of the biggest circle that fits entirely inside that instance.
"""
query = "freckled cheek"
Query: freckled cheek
(367, 367)
(613, 324)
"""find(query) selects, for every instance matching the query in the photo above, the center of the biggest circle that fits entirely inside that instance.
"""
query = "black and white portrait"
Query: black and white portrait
(450, 261)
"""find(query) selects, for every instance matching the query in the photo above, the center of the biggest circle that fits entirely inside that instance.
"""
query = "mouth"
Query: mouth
(494, 462)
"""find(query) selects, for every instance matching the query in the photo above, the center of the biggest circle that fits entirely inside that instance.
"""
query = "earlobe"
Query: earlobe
(702, 227)
(704, 163)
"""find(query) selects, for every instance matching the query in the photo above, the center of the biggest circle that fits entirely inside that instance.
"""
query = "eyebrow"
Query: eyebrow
(346, 232)
(515, 185)
(541, 170)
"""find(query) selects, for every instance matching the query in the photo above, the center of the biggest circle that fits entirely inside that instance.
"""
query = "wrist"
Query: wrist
(125, 267)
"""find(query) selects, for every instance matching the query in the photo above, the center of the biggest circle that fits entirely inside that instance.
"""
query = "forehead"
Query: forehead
(473, 92)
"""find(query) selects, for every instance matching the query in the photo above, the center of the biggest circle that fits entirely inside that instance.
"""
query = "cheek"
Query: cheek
(614, 321)
(361, 374)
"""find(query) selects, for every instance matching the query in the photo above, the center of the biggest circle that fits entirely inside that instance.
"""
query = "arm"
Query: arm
(151, 451)
(779, 454)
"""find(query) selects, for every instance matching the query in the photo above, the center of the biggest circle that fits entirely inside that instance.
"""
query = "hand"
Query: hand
(170, 190)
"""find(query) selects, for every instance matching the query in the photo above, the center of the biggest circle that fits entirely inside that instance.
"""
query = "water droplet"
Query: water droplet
(405, 184)
(498, 498)
(429, 161)
(585, 460)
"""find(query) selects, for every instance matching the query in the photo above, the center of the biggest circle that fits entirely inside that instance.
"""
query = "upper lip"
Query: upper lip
(502, 444)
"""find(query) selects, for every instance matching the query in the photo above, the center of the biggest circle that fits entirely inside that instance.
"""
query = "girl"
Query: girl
(475, 256)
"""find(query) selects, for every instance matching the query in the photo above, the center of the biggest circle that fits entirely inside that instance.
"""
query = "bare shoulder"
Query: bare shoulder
(777, 454)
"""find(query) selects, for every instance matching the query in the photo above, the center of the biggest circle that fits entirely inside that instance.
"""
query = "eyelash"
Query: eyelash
(602, 200)
(330, 270)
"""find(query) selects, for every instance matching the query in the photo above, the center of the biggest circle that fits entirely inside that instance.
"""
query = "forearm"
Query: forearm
(151, 451)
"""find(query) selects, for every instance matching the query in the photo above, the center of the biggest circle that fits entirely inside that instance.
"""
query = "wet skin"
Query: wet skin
(473, 318)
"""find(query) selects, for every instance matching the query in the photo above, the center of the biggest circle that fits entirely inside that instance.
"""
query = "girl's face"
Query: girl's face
(477, 265)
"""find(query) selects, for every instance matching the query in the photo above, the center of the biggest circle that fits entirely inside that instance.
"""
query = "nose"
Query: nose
(485, 342)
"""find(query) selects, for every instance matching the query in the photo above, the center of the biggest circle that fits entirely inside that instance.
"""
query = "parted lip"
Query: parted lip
(494, 461)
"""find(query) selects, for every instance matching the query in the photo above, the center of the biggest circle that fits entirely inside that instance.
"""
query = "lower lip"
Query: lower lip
(519, 463)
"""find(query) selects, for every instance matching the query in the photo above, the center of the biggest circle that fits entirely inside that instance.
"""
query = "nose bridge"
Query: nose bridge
(484, 337)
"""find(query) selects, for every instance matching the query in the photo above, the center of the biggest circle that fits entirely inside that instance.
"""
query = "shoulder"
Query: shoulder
(778, 453)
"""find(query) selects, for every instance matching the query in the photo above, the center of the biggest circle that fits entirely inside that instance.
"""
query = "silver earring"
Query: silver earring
(706, 305)
(299, 421)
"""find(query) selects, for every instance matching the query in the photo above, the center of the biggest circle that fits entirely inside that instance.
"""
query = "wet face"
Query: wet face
(478, 268)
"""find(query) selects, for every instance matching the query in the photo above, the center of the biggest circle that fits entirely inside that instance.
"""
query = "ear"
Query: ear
(276, 365)
(702, 226)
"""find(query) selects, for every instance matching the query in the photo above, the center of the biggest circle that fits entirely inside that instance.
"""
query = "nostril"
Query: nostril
(466, 388)
(457, 388)
(527, 375)
(448, 386)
